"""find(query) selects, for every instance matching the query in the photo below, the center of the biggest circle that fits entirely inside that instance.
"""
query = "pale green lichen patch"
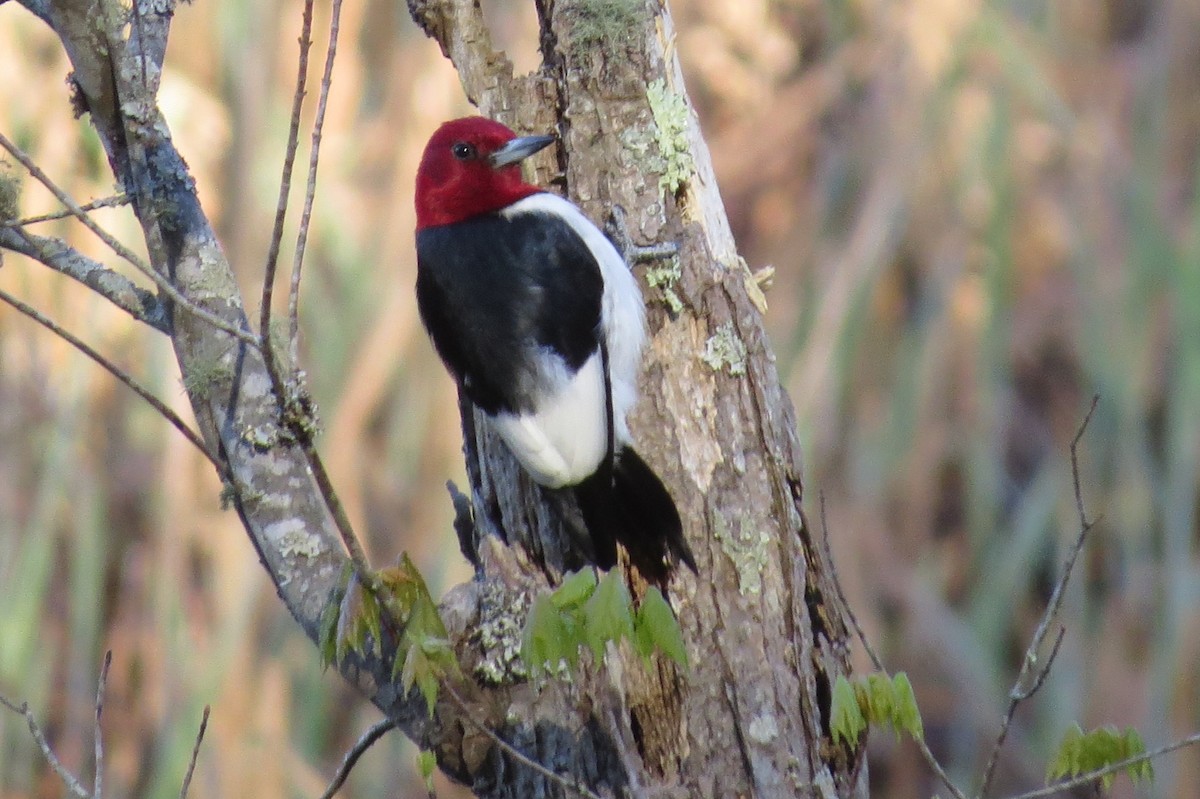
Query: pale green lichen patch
(261, 438)
(501, 625)
(205, 373)
(212, 280)
(670, 112)
(10, 195)
(663, 277)
(606, 25)
(724, 350)
(747, 548)
(291, 539)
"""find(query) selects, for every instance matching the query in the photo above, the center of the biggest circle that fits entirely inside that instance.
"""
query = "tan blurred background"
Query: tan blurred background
(979, 214)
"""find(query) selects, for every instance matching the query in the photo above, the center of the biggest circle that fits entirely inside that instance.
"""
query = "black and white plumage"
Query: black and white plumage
(538, 318)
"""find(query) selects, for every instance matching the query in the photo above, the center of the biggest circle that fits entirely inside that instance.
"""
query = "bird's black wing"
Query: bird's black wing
(496, 292)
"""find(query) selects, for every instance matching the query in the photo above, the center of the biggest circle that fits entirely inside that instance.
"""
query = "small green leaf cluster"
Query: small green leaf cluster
(356, 619)
(874, 699)
(585, 613)
(1080, 753)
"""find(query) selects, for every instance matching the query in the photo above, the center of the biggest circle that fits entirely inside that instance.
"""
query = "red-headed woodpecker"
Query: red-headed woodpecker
(538, 318)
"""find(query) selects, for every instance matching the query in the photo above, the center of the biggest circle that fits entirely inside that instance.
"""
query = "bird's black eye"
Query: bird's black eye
(463, 151)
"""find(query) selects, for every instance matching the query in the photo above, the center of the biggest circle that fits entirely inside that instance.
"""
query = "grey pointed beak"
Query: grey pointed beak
(518, 149)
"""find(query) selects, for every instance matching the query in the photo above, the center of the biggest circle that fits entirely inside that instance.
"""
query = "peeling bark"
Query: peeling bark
(749, 716)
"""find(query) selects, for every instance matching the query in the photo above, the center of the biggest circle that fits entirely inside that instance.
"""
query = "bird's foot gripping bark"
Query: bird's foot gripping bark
(618, 233)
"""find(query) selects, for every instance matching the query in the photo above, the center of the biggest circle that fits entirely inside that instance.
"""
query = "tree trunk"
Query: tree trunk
(749, 716)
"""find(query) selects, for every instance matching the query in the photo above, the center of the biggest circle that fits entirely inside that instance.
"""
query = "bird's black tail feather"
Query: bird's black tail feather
(628, 503)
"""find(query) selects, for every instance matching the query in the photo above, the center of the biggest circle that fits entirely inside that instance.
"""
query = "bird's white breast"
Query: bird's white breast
(563, 441)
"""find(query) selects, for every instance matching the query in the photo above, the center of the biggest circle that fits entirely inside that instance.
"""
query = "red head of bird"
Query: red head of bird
(472, 166)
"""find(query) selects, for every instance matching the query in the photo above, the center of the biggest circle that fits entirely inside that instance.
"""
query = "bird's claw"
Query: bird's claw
(618, 233)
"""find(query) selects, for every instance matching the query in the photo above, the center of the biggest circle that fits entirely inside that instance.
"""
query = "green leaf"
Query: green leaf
(406, 585)
(327, 636)
(1080, 752)
(879, 704)
(350, 614)
(369, 623)
(656, 627)
(906, 715)
(576, 589)
(426, 763)
(608, 614)
(1066, 759)
(546, 640)
(846, 719)
(418, 671)
(1135, 746)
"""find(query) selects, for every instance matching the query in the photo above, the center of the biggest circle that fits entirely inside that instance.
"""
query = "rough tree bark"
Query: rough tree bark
(749, 716)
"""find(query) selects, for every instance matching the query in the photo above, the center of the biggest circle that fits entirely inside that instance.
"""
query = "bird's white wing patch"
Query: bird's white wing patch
(623, 314)
(564, 440)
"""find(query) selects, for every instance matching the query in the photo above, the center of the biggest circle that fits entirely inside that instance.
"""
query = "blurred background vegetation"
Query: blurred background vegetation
(980, 213)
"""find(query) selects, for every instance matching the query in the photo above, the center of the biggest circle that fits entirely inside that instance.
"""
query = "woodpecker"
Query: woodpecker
(541, 323)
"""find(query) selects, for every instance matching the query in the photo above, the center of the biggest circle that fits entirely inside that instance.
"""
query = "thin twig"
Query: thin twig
(141, 304)
(837, 587)
(187, 778)
(98, 733)
(1021, 694)
(508, 749)
(926, 753)
(285, 189)
(69, 779)
(284, 395)
(123, 251)
(1111, 768)
(1083, 522)
(311, 187)
(113, 201)
(351, 757)
(1023, 687)
(116, 372)
(341, 520)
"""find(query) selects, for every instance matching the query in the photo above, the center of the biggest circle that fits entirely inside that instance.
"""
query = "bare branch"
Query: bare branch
(1112, 768)
(98, 733)
(285, 188)
(837, 586)
(342, 522)
(1023, 687)
(286, 394)
(116, 372)
(187, 778)
(148, 38)
(311, 188)
(113, 201)
(926, 752)
(1020, 694)
(1083, 522)
(351, 757)
(69, 779)
(122, 292)
(123, 251)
